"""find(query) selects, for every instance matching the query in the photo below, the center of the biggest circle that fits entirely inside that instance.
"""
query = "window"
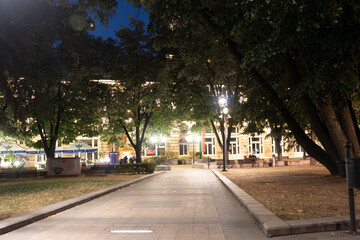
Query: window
(298, 148)
(209, 146)
(59, 144)
(256, 145)
(150, 151)
(234, 147)
(234, 130)
(161, 148)
(183, 147)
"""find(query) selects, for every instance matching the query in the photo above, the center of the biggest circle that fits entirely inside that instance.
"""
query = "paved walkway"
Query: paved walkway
(182, 204)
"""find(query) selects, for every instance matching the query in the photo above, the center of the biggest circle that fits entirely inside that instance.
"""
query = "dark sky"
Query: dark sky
(121, 18)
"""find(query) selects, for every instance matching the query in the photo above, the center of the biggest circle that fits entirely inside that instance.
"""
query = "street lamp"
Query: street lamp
(158, 140)
(224, 115)
(193, 138)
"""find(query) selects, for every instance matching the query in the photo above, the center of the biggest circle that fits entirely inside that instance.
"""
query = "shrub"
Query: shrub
(147, 167)
(170, 155)
(125, 168)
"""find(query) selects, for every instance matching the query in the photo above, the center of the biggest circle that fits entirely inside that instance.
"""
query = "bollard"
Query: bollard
(351, 176)
(208, 163)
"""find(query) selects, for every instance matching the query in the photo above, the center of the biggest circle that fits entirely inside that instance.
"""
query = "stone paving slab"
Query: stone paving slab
(19, 221)
(180, 204)
(273, 226)
(184, 203)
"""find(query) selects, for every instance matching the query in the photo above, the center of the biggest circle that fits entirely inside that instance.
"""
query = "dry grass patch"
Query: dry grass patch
(296, 192)
(18, 196)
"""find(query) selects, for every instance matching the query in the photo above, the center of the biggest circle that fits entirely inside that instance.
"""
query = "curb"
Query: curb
(12, 223)
(272, 225)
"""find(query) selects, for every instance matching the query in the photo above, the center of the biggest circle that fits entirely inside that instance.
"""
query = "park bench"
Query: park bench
(250, 160)
(230, 163)
(103, 168)
(219, 163)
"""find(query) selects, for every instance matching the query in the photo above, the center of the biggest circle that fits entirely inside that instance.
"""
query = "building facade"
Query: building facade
(241, 145)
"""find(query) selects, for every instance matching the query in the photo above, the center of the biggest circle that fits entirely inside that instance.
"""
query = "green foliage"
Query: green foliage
(48, 62)
(294, 59)
(146, 167)
(197, 155)
(169, 155)
(140, 98)
(10, 157)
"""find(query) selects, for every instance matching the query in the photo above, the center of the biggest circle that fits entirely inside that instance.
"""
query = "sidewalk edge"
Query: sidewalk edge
(272, 225)
(12, 223)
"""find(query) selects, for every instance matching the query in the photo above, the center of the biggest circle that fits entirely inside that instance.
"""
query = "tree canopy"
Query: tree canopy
(139, 98)
(302, 55)
(48, 62)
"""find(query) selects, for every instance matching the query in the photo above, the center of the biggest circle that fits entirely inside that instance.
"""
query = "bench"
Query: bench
(231, 163)
(106, 168)
(251, 161)
(219, 163)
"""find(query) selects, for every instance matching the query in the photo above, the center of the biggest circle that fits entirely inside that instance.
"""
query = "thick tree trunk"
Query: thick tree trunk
(138, 153)
(292, 77)
(310, 147)
(313, 149)
(278, 148)
(354, 119)
(328, 114)
(347, 124)
(319, 128)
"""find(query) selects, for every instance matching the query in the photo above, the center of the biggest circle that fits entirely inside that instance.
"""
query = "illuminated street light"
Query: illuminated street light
(224, 115)
(193, 138)
(222, 102)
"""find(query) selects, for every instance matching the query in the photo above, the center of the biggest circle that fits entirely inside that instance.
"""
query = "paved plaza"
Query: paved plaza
(184, 203)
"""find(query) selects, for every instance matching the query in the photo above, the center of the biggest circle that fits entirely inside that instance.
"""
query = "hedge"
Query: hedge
(148, 167)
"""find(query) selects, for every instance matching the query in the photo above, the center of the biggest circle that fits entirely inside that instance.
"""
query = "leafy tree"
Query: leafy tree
(301, 54)
(198, 82)
(48, 60)
(139, 97)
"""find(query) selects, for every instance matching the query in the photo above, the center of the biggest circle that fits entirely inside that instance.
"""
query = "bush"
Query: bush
(198, 155)
(126, 168)
(147, 167)
(170, 155)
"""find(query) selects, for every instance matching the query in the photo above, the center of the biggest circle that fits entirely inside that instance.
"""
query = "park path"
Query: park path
(184, 203)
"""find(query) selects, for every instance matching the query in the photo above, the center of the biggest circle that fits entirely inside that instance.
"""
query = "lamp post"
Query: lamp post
(158, 140)
(224, 115)
(193, 138)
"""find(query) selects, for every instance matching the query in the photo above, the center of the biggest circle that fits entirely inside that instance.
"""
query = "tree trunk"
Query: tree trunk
(309, 146)
(347, 123)
(328, 114)
(319, 128)
(312, 160)
(278, 148)
(292, 77)
(138, 153)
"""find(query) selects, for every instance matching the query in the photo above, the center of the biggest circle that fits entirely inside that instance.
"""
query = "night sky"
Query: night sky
(121, 18)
